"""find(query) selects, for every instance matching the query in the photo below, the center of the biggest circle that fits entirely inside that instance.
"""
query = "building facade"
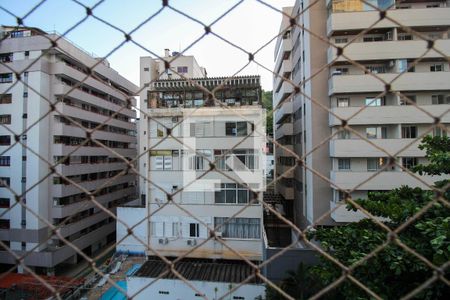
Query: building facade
(391, 119)
(88, 95)
(185, 132)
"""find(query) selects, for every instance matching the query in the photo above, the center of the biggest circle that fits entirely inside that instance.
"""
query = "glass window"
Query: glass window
(343, 134)
(343, 102)
(408, 99)
(375, 101)
(437, 68)
(409, 132)
(371, 132)
(344, 164)
(376, 163)
(240, 228)
(409, 162)
(194, 229)
(440, 99)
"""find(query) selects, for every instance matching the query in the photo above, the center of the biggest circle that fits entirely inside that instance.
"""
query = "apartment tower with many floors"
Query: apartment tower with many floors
(391, 118)
(86, 92)
(184, 132)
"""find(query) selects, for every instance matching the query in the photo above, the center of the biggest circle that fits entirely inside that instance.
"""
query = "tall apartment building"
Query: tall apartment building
(183, 130)
(385, 49)
(59, 75)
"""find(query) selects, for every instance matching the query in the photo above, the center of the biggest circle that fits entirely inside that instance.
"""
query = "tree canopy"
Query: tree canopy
(392, 272)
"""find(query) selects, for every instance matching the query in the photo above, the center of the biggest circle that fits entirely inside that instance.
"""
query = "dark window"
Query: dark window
(5, 119)
(409, 132)
(4, 202)
(5, 140)
(409, 162)
(4, 181)
(6, 77)
(5, 98)
(5, 161)
(194, 229)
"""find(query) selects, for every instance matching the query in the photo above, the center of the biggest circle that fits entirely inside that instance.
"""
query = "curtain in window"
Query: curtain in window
(241, 228)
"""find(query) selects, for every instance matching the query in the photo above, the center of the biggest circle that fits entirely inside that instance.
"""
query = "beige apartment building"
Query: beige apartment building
(59, 76)
(391, 120)
(183, 131)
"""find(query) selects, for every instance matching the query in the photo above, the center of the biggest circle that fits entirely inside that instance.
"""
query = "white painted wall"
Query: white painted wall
(178, 290)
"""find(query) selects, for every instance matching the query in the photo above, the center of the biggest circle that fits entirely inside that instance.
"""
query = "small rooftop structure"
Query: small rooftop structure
(229, 271)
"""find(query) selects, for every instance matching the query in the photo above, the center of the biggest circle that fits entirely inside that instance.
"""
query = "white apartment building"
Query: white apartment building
(182, 133)
(388, 120)
(59, 75)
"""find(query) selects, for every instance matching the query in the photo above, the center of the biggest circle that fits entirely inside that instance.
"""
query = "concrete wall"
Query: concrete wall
(288, 261)
(177, 289)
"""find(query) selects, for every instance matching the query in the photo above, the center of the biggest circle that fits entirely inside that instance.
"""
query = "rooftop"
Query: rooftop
(200, 270)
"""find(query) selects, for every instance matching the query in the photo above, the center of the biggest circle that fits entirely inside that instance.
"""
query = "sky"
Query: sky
(250, 26)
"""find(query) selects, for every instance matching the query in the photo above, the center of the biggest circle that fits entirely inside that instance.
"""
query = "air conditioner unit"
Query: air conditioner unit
(163, 241)
(391, 63)
(219, 234)
(191, 242)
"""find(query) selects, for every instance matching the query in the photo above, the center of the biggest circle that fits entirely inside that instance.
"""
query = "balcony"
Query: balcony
(285, 129)
(423, 81)
(389, 50)
(284, 92)
(407, 17)
(382, 180)
(404, 114)
(285, 109)
(361, 148)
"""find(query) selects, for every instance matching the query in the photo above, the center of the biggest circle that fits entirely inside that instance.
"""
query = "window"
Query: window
(146, 69)
(440, 99)
(376, 132)
(340, 40)
(27, 53)
(375, 38)
(404, 37)
(375, 101)
(376, 163)
(182, 69)
(239, 228)
(163, 159)
(199, 162)
(5, 98)
(409, 132)
(194, 229)
(343, 164)
(4, 181)
(343, 102)
(343, 134)
(438, 131)
(340, 71)
(5, 161)
(164, 292)
(6, 77)
(231, 193)
(4, 202)
(5, 140)
(175, 229)
(408, 99)
(376, 69)
(200, 129)
(437, 68)
(24, 116)
(236, 128)
(5, 119)
(246, 156)
(409, 162)
(25, 94)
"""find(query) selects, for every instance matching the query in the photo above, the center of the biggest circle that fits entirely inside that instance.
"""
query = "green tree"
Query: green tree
(267, 104)
(393, 272)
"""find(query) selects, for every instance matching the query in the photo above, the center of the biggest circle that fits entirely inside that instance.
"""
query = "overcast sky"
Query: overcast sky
(250, 26)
